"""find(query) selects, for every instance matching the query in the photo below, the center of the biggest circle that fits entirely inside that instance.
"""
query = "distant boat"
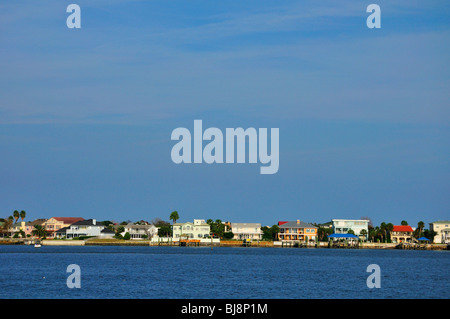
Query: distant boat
(37, 244)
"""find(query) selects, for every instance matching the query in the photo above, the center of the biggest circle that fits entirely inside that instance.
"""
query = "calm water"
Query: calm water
(188, 272)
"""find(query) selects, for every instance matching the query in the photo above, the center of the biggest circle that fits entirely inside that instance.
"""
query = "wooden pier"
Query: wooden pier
(343, 244)
(189, 242)
(413, 246)
(297, 244)
(164, 241)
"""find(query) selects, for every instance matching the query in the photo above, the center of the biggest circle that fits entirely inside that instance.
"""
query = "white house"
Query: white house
(342, 226)
(442, 229)
(88, 227)
(140, 231)
(243, 231)
(197, 230)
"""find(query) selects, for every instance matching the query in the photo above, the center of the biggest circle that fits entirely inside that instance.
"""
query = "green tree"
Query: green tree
(23, 214)
(378, 233)
(20, 234)
(228, 235)
(351, 231)
(383, 229)
(127, 236)
(267, 233)
(5, 227)
(16, 215)
(420, 226)
(430, 234)
(363, 232)
(164, 228)
(389, 228)
(275, 230)
(39, 231)
(372, 233)
(120, 229)
(404, 223)
(174, 216)
(323, 233)
(270, 233)
(216, 227)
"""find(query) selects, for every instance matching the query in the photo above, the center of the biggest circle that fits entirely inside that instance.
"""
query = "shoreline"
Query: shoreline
(261, 244)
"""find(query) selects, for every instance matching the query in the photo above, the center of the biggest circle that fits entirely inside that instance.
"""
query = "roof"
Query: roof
(296, 224)
(88, 222)
(38, 221)
(441, 222)
(403, 228)
(62, 230)
(29, 223)
(107, 231)
(68, 220)
(246, 225)
(138, 226)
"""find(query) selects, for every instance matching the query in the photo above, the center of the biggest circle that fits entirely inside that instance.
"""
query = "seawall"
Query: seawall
(63, 242)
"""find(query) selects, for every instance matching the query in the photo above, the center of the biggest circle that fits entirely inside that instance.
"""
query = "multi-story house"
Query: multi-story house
(140, 231)
(442, 228)
(197, 230)
(402, 234)
(56, 223)
(88, 228)
(26, 227)
(297, 230)
(343, 226)
(243, 231)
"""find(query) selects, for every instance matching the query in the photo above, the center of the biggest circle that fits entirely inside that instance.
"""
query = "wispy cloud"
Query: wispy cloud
(297, 60)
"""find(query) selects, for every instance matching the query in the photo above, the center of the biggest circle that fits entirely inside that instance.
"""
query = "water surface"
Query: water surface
(222, 272)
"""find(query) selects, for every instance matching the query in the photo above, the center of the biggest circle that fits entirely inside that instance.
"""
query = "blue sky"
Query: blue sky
(86, 115)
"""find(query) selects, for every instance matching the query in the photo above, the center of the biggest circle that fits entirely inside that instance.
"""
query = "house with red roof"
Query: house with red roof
(402, 234)
(56, 223)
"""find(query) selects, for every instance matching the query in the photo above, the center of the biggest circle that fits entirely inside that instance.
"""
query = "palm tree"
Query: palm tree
(378, 232)
(219, 228)
(372, 233)
(39, 231)
(389, 228)
(275, 230)
(16, 215)
(23, 214)
(420, 226)
(174, 216)
(363, 232)
(383, 229)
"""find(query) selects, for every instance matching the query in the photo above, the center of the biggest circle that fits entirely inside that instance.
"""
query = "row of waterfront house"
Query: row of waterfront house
(200, 230)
